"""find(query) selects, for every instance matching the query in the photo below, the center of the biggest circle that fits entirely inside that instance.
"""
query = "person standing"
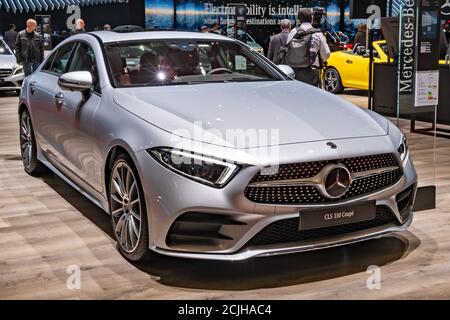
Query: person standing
(79, 27)
(11, 36)
(360, 37)
(29, 48)
(215, 28)
(279, 40)
(309, 49)
(107, 27)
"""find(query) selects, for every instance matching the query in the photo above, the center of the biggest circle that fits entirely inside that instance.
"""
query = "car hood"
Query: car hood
(280, 112)
(7, 61)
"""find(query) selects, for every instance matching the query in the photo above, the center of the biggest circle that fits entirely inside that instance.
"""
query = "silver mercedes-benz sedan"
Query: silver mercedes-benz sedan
(199, 147)
(11, 74)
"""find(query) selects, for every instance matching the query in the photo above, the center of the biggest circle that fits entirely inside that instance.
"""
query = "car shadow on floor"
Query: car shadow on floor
(8, 94)
(356, 92)
(257, 273)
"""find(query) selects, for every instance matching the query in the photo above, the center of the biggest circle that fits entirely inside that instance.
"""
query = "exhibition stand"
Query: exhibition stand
(385, 95)
(407, 87)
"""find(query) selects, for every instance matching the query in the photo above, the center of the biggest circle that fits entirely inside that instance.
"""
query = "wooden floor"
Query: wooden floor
(46, 227)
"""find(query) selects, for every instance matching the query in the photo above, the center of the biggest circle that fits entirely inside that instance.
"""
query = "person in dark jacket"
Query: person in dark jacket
(360, 37)
(11, 36)
(279, 40)
(29, 48)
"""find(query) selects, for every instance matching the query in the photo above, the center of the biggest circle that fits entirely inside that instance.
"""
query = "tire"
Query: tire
(128, 209)
(332, 81)
(18, 92)
(28, 146)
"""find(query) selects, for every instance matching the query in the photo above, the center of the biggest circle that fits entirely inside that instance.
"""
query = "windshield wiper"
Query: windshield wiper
(243, 79)
(197, 82)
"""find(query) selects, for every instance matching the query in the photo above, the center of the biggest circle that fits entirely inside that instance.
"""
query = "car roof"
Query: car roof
(111, 36)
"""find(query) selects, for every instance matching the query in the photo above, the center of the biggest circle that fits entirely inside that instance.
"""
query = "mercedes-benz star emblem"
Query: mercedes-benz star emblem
(337, 182)
(446, 8)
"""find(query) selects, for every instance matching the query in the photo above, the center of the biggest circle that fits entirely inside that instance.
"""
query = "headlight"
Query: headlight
(207, 170)
(18, 70)
(403, 149)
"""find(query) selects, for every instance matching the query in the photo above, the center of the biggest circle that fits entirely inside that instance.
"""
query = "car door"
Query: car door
(76, 114)
(355, 71)
(45, 110)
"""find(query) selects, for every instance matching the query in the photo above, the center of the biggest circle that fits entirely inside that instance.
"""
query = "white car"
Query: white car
(159, 148)
(11, 74)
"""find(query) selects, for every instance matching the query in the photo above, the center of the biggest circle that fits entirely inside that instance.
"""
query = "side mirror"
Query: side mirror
(361, 50)
(76, 81)
(287, 70)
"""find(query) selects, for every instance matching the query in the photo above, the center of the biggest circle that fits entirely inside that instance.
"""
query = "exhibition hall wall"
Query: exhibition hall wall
(263, 16)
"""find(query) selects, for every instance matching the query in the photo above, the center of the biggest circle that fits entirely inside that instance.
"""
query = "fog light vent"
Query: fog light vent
(405, 202)
(200, 228)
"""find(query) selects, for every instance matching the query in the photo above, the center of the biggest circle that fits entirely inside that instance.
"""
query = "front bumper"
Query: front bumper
(283, 249)
(169, 196)
(12, 82)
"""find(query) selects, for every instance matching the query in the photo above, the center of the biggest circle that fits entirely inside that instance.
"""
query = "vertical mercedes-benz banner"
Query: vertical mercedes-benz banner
(426, 91)
(407, 48)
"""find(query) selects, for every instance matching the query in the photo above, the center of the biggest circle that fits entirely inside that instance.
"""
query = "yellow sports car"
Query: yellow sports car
(350, 68)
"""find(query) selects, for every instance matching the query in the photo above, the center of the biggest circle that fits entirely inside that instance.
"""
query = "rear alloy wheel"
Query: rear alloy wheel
(28, 149)
(332, 81)
(127, 208)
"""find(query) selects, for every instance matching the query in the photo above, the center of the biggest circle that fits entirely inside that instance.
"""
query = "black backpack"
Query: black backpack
(297, 53)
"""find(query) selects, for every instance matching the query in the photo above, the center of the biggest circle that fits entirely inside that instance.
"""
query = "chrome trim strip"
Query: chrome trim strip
(374, 172)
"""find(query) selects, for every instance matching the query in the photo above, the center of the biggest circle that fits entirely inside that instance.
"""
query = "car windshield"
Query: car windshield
(180, 62)
(3, 48)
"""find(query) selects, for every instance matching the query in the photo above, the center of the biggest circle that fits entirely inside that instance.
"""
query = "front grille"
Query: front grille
(308, 194)
(285, 231)
(7, 84)
(4, 73)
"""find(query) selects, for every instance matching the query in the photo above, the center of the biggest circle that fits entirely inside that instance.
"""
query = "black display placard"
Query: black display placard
(429, 35)
(358, 8)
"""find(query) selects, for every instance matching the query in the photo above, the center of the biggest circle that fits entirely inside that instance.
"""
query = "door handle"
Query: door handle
(59, 99)
(33, 87)
(349, 61)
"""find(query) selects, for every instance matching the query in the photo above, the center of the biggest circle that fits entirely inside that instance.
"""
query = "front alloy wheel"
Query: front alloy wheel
(28, 145)
(127, 205)
(332, 81)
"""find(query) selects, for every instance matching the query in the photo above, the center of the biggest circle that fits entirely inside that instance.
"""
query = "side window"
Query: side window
(59, 64)
(84, 60)
(48, 64)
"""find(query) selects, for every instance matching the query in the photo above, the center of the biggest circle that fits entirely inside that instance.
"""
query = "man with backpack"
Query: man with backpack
(279, 40)
(307, 49)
